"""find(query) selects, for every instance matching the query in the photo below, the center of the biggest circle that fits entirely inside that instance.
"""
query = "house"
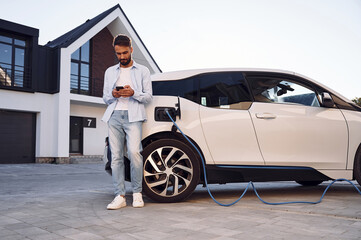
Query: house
(51, 96)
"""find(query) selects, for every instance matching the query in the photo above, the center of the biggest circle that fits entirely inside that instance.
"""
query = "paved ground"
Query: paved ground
(44, 201)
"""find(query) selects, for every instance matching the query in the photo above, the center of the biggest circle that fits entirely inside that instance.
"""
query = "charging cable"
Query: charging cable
(251, 183)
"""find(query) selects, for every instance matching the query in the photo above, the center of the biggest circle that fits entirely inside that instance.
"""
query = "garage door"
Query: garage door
(17, 137)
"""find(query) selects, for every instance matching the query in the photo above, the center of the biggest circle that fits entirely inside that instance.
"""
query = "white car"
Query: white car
(249, 125)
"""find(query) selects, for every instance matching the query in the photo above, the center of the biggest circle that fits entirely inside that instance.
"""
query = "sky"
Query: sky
(320, 39)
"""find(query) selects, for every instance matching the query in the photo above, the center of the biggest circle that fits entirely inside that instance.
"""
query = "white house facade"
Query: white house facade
(51, 96)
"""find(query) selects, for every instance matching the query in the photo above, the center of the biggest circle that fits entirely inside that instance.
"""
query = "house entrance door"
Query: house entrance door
(76, 135)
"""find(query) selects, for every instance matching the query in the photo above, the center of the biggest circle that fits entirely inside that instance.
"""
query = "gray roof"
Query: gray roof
(68, 38)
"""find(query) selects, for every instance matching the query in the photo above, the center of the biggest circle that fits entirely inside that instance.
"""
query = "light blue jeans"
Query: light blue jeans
(121, 131)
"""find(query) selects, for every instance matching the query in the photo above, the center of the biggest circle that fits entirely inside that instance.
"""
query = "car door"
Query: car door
(292, 127)
(226, 122)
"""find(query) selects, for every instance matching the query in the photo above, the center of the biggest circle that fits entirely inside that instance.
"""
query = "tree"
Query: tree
(357, 100)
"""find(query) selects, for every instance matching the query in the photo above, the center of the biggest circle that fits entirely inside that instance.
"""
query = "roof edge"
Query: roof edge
(71, 36)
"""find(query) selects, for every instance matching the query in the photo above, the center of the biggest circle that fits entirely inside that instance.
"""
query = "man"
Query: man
(127, 87)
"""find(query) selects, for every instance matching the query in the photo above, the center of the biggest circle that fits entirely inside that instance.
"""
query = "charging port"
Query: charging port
(160, 114)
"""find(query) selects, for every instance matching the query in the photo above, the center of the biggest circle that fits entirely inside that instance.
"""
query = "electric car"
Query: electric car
(248, 125)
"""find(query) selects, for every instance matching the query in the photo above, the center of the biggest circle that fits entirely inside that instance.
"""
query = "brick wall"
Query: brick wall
(102, 57)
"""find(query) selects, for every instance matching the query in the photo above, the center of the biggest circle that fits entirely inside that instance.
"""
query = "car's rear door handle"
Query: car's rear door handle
(265, 115)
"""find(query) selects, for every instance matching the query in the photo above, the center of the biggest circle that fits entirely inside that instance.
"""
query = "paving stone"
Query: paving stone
(103, 231)
(4, 220)
(47, 236)
(189, 226)
(192, 235)
(30, 231)
(152, 234)
(69, 202)
(75, 222)
(14, 237)
(67, 232)
(15, 226)
(6, 232)
(217, 231)
(223, 238)
(84, 236)
(122, 236)
(17, 215)
(53, 226)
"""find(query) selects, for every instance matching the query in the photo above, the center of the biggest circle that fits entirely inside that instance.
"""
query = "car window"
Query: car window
(219, 90)
(224, 90)
(186, 88)
(279, 90)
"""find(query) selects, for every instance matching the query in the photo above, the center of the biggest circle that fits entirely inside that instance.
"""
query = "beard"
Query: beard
(125, 62)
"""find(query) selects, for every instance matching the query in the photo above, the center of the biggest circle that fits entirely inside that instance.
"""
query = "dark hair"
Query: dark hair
(122, 40)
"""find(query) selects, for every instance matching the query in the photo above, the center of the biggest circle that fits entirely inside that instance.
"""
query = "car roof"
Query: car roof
(177, 75)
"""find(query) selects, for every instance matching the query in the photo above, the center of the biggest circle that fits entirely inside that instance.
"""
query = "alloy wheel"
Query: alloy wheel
(168, 171)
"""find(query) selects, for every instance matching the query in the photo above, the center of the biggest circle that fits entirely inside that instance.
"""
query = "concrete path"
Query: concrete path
(45, 201)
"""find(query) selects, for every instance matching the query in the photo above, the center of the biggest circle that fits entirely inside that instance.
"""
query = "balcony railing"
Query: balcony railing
(14, 76)
(88, 86)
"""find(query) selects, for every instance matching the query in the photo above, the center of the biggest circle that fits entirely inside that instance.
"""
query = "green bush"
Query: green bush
(357, 100)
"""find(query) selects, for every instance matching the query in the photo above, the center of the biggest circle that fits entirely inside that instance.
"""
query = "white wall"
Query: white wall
(44, 105)
(66, 99)
(93, 138)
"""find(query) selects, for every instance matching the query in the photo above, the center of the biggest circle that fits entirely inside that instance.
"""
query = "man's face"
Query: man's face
(124, 55)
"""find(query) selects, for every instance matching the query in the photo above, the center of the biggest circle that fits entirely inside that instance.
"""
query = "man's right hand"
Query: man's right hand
(116, 93)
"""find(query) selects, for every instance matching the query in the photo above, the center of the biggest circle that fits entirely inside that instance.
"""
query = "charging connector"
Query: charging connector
(160, 114)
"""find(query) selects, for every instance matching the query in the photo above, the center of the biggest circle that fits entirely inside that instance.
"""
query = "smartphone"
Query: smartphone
(119, 87)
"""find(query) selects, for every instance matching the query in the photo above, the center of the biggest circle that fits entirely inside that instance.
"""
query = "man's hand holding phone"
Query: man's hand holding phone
(127, 91)
(120, 91)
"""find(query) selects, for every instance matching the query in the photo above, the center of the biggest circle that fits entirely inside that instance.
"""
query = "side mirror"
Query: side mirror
(327, 100)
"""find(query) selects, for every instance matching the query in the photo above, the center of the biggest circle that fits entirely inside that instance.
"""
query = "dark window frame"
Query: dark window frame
(27, 73)
(79, 76)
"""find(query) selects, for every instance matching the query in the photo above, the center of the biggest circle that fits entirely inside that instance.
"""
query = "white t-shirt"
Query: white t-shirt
(124, 79)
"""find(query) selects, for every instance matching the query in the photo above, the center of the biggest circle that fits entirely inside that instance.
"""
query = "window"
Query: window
(220, 89)
(14, 71)
(224, 90)
(281, 90)
(80, 70)
(186, 88)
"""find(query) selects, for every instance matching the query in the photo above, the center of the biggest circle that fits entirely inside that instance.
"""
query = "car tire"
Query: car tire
(357, 166)
(309, 183)
(171, 170)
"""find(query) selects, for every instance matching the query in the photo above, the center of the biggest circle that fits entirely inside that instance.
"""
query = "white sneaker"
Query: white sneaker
(138, 200)
(117, 203)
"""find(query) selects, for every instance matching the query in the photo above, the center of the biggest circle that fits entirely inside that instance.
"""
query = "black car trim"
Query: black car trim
(245, 173)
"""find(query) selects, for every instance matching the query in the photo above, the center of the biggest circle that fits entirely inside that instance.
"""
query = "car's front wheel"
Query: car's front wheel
(171, 170)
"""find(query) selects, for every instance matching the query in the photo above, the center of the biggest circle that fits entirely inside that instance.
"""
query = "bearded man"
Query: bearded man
(127, 87)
